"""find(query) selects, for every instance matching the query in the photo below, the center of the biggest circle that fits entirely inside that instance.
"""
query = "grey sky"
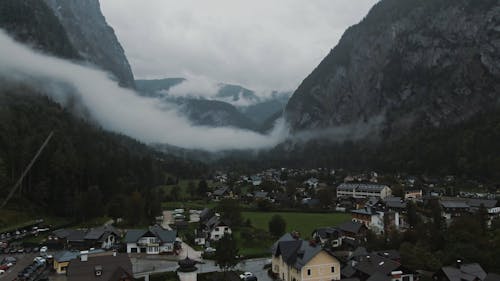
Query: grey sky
(261, 44)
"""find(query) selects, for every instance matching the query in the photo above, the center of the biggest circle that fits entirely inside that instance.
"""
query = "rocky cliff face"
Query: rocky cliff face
(408, 63)
(94, 39)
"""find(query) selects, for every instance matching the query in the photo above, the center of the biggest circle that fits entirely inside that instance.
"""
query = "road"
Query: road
(151, 266)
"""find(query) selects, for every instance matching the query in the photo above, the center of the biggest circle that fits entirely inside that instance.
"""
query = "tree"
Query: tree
(202, 188)
(174, 193)
(115, 207)
(325, 197)
(135, 208)
(226, 253)
(230, 211)
(411, 210)
(277, 226)
(191, 189)
(482, 216)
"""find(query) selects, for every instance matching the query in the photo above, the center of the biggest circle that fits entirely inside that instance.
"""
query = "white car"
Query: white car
(39, 260)
(2, 271)
(210, 250)
(43, 249)
(246, 275)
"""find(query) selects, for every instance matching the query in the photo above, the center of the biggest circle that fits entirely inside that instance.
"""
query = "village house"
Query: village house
(295, 259)
(453, 208)
(104, 237)
(363, 190)
(115, 267)
(213, 229)
(374, 219)
(461, 271)
(222, 193)
(413, 194)
(375, 266)
(63, 258)
(152, 241)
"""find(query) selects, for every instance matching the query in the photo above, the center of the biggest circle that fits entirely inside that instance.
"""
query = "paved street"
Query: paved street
(23, 260)
(256, 266)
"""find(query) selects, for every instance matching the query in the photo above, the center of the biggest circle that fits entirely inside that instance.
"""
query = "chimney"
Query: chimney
(459, 263)
(84, 255)
(98, 270)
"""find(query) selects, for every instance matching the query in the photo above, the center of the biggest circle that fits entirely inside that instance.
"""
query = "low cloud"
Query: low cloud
(121, 110)
(195, 87)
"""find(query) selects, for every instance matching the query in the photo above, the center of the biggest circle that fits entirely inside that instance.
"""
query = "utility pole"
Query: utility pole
(25, 172)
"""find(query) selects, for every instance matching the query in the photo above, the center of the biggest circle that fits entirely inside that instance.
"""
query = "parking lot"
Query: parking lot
(23, 260)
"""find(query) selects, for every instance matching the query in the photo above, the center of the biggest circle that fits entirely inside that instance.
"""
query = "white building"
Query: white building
(363, 190)
(152, 241)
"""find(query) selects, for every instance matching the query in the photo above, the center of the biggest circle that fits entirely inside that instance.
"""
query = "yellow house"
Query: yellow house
(299, 260)
(62, 259)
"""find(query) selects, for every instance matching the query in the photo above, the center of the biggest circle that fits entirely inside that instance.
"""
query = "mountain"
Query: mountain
(214, 113)
(407, 65)
(153, 87)
(33, 23)
(94, 39)
(236, 95)
(232, 105)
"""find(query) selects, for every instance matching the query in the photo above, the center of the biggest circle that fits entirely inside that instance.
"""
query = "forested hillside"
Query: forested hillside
(84, 169)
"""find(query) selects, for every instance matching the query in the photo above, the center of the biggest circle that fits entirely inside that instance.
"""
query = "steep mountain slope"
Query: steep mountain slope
(408, 64)
(214, 113)
(94, 39)
(232, 105)
(153, 87)
(32, 22)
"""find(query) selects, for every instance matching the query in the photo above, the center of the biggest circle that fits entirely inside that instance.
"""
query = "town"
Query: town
(279, 224)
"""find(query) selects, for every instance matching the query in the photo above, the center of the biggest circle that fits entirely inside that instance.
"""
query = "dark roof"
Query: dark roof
(488, 203)
(112, 266)
(165, 236)
(467, 272)
(98, 232)
(205, 214)
(297, 253)
(284, 237)
(454, 204)
(395, 202)
(260, 194)
(220, 191)
(348, 271)
(351, 227)
(365, 211)
(370, 264)
(65, 256)
(327, 232)
(76, 235)
(390, 254)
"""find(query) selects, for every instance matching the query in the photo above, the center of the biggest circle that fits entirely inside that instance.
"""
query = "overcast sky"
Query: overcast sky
(260, 44)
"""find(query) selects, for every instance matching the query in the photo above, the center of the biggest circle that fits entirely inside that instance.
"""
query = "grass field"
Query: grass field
(304, 223)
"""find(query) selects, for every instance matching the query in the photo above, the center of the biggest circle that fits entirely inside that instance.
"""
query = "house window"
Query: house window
(308, 272)
(406, 278)
(333, 269)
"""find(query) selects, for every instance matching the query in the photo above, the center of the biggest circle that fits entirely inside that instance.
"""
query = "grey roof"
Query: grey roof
(297, 253)
(220, 191)
(365, 211)
(360, 251)
(371, 264)
(390, 254)
(351, 227)
(61, 233)
(468, 272)
(284, 237)
(260, 194)
(488, 203)
(65, 256)
(327, 232)
(111, 266)
(395, 202)
(348, 271)
(165, 236)
(452, 204)
(360, 187)
(98, 232)
(133, 235)
(76, 235)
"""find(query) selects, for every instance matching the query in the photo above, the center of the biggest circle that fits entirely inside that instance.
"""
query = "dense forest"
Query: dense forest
(84, 169)
(467, 149)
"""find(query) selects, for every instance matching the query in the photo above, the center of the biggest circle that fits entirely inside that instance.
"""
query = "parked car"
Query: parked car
(43, 249)
(2, 271)
(245, 275)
